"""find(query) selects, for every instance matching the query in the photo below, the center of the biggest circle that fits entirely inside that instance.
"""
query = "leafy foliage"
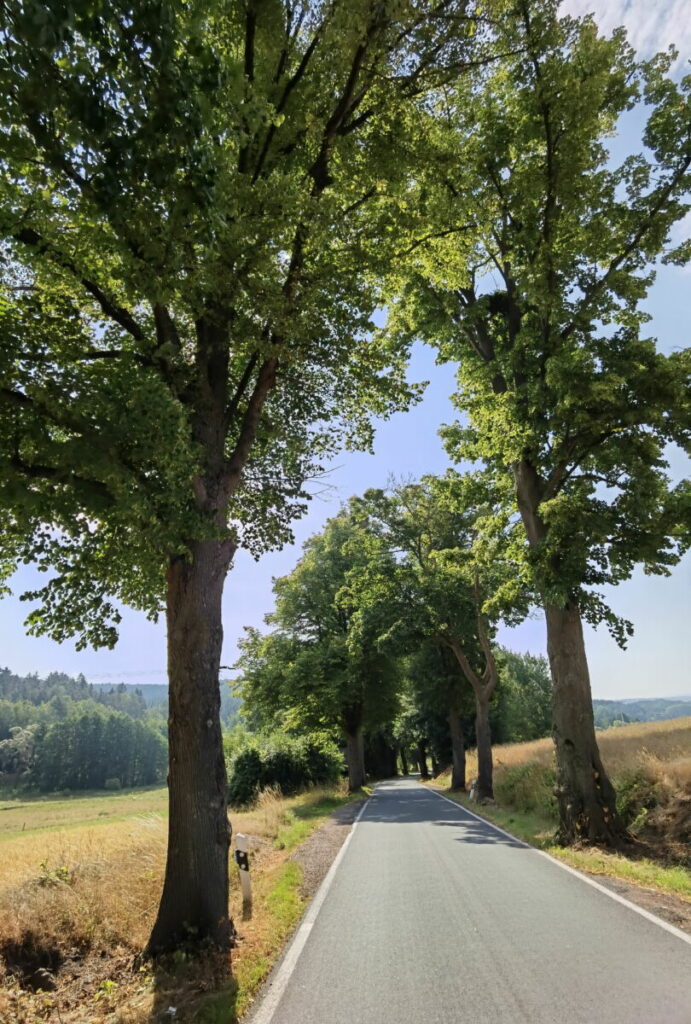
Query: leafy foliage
(524, 699)
(323, 666)
(84, 750)
(540, 299)
(196, 205)
(290, 763)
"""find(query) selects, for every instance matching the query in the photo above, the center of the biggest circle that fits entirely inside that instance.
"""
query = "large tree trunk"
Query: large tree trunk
(457, 750)
(585, 796)
(404, 761)
(422, 760)
(355, 759)
(195, 893)
(483, 737)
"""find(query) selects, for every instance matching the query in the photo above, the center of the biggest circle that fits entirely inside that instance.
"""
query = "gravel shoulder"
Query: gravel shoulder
(316, 855)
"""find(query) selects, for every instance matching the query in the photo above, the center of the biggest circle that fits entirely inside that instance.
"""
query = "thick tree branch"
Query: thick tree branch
(58, 475)
(241, 388)
(120, 315)
(290, 86)
(250, 425)
(466, 667)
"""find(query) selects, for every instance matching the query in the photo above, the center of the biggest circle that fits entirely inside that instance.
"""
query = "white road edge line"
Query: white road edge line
(269, 1004)
(573, 871)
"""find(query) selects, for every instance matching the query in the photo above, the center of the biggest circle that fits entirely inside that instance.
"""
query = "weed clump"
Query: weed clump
(527, 787)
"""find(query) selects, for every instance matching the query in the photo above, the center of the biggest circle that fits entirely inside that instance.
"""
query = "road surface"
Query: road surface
(434, 917)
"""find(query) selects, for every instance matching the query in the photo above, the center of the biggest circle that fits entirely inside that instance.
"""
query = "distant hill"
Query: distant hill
(155, 695)
(58, 691)
(647, 709)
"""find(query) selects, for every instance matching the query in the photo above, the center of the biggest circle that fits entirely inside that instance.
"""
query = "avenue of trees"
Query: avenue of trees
(202, 205)
(376, 632)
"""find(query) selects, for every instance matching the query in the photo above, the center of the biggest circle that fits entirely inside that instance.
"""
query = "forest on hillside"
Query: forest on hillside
(646, 709)
(64, 733)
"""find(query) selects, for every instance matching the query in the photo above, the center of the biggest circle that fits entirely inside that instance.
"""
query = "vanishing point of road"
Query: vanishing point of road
(434, 917)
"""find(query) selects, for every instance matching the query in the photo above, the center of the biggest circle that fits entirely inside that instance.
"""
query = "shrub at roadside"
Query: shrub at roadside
(527, 787)
(291, 764)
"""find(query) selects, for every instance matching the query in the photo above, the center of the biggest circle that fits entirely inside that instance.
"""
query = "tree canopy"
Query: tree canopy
(197, 200)
(324, 666)
(540, 301)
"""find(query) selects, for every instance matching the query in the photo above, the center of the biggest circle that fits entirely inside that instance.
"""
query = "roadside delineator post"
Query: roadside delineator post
(242, 859)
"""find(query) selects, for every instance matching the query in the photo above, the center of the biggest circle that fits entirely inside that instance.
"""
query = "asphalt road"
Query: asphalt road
(434, 917)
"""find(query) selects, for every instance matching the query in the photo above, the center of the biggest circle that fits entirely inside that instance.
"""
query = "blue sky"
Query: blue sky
(658, 659)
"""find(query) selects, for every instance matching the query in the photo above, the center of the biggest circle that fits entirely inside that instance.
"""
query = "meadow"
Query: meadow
(80, 880)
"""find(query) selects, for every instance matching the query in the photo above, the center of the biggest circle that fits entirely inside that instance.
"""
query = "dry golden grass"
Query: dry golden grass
(87, 895)
(664, 747)
(650, 765)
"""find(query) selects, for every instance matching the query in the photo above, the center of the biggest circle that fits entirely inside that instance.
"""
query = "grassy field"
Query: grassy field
(650, 764)
(80, 880)
(45, 813)
(668, 743)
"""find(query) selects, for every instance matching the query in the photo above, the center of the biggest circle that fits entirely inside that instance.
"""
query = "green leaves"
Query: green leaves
(558, 386)
(198, 203)
(327, 655)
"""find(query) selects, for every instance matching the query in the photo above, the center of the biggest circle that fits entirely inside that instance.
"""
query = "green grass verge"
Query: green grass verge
(303, 819)
(281, 905)
(538, 831)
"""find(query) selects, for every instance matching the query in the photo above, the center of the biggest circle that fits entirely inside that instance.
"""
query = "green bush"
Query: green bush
(637, 793)
(291, 764)
(112, 784)
(527, 787)
(245, 779)
(323, 759)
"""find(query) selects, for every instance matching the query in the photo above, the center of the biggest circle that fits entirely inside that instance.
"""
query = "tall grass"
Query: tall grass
(90, 893)
(649, 762)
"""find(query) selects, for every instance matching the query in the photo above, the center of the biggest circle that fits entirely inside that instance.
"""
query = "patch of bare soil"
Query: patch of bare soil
(316, 855)
(38, 984)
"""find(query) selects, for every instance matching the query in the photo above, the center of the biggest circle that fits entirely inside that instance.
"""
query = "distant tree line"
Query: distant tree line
(64, 733)
(610, 713)
(60, 692)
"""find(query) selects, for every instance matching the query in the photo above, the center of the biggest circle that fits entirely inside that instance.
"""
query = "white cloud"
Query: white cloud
(651, 25)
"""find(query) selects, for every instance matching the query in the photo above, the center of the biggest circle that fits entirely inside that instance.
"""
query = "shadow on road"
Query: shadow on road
(400, 804)
(474, 832)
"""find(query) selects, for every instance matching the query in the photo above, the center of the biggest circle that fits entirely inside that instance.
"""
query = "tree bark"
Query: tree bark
(585, 795)
(404, 761)
(457, 750)
(194, 904)
(355, 759)
(483, 738)
(483, 687)
(422, 760)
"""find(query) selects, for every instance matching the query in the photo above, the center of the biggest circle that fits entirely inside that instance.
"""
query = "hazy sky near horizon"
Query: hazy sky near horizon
(658, 659)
